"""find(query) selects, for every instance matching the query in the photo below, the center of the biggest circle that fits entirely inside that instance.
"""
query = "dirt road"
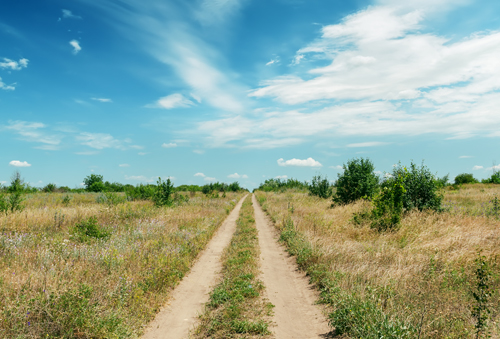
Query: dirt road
(189, 297)
(296, 316)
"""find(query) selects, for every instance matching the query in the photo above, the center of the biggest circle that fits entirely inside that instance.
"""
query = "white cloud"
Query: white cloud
(237, 176)
(140, 178)
(100, 141)
(337, 167)
(172, 101)
(76, 46)
(465, 156)
(199, 151)
(199, 175)
(124, 165)
(17, 163)
(67, 14)
(174, 42)
(34, 132)
(209, 179)
(3, 182)
(102, 99)
(273, 61)
(475, 168)
(169, 145)
(14, 65)
(6, 87)
(309, 162)
(494, 168)
(367, 144)
(298, 58)
(282, 177)
(142, 153)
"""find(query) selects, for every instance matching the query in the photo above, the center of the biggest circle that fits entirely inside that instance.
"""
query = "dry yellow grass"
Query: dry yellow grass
(54, 286)
(422, 274)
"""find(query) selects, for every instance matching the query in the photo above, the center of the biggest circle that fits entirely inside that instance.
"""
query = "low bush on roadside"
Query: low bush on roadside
(320, 187)
(358, 181)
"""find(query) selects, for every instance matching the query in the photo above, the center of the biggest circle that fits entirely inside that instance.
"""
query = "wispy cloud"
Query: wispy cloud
(172, 101)
(282, 177)
(139, 178)
(67, 14)
(17, 163)
(476, 168)
(465, 156)
(169, 145)
(367, 144)
(273, 61)
(237, 176)
(162, 30)
(199, 174)
(309, 162)
(34, 132)
(337, 167)
(76, 46)
(209, 179)
(124, 165)
(103, 140)
(102, 99)
(6, 87)
(14, 65)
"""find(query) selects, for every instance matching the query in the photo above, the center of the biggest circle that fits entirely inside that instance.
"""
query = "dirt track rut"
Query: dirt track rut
(189, 297)
(295, 314)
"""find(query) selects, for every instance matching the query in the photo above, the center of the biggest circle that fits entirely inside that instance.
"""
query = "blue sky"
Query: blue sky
(243, 90)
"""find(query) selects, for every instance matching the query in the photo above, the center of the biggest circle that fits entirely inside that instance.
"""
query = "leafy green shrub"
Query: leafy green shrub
(357, 182)
(163, 192)
(89, 229)
(49, 188)
(443, 181)
(421, 188)
(494, 179)
(94, 183)
(279, 185)
(320, 187)
(465, 178)
(140, 192)
(388, 204)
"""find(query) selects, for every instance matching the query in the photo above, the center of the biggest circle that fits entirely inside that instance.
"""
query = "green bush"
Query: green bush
(420, 185)
(388, 204)
(465, 178)
(320, 187)
(357, 182)
(140, 192)
(94, 183)
(278, 185)
(163, 193)
(89, 229)
(494, 179)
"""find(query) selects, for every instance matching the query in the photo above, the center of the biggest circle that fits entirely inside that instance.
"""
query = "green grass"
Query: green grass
(236, 308)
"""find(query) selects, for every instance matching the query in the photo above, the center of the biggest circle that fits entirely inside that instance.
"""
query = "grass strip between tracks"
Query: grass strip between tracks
(236, 308)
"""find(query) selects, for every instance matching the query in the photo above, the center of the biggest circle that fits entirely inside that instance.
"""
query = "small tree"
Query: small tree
(94, 183)
(320, 187)
(16, 183)
(358, 181)
(465, 178)
(421, 187)
(163, 193)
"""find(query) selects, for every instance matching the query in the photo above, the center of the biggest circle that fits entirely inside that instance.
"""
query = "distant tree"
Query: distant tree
(94, 183)
(49, 188)
(465, 178)
(358, 181)
(16, 183)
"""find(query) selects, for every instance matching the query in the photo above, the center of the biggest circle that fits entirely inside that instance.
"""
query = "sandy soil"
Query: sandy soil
(295, 314)
(187, 301)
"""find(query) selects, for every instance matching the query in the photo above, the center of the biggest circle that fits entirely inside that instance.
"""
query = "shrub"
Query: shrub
(49, 188)
(278, 185)
(94, 183)
(465, 178)
(421, 188)
(89, 229)
(320, 187)
(443, 182)
(494, 179)
(358, 181)
(140, 192)
(163, 192)
(388, 205)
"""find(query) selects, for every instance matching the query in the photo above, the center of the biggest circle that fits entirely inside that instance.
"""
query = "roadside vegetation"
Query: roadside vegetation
(96, 264)
(237, 308)
(410, 256)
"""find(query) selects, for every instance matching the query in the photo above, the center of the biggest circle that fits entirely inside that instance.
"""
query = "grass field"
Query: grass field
(64, 274)
(415, 282)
